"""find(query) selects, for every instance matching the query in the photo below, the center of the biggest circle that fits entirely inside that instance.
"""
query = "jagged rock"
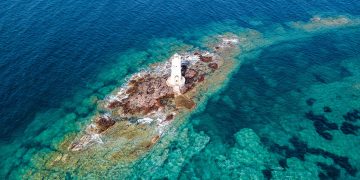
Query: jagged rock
(145, 95)
(103, 123)
(114, 104)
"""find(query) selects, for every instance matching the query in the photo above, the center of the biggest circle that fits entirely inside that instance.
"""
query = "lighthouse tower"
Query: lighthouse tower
(176, 80)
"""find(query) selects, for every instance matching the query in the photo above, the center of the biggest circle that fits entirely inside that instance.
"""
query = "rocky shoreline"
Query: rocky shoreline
(147, 99)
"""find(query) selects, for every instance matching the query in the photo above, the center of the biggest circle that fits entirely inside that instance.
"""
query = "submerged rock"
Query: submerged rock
(300, 149)
(352, 116)
(184, 102)
(267, 173)
(330, 172)
(348, 128)
(310, 101)
(327, 109)
(321, 125)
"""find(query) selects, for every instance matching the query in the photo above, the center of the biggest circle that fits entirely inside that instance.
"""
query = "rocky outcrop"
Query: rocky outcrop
(205, 58)
(145, 94)
(148, 101)
(213, 66)
(103, 123)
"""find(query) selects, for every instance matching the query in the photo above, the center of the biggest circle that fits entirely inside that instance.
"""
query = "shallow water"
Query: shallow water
(59, 57)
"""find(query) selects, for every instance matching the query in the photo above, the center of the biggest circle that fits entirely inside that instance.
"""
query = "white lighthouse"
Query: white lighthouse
(176, 80)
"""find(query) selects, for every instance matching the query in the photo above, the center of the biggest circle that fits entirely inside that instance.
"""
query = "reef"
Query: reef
(310, 101)
(327, 109)
(348, 126)
(352, 116)
(319, 22)
(267, 173)
(330, 172)
(301, 149)
(321, 125)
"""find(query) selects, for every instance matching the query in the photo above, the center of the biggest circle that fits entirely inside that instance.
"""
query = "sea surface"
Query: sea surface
(290, 111)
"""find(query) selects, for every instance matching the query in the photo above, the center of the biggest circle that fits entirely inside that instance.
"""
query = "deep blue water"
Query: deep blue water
(51, 49)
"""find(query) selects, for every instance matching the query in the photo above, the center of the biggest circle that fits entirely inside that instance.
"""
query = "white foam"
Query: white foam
(96, 138)
(230, 40)
(145, 120)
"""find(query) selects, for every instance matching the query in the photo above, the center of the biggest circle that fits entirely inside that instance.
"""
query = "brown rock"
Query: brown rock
(169, 117)
(188, 86)
(206, 58)
(103, 123)
(146, 94)
(201, 78)
(114, 104)
(191, 73)
(132, 82)
(213, 66)
(132, 90)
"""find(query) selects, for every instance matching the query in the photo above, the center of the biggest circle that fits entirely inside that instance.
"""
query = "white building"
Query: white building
(176, 80)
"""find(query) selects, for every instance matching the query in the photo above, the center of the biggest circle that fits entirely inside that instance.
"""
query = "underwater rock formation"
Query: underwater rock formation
(330, 172)
(103, 123)
(327, 109)
(318, 22)
(321, 124)
(310, 101)
(352, 116)
(348, 128)
(267, 173)
(301, 149)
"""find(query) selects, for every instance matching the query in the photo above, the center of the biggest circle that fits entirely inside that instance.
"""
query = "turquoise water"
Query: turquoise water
(288, 112)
